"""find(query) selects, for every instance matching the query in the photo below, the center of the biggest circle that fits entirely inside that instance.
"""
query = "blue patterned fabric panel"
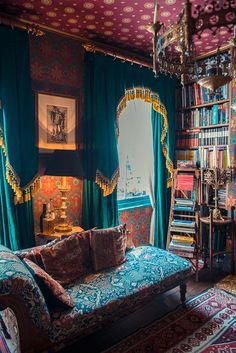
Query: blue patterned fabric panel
(16, 279)
(107, 295)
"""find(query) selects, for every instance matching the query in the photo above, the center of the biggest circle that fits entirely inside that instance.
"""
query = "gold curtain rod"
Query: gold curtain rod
(88, 45)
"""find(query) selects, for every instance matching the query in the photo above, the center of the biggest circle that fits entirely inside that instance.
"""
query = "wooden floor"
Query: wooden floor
(161, 305)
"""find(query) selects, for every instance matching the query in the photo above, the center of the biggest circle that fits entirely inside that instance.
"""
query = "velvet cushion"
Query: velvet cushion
(69, 259)
(54, 294)
(34, 254)
(108, 247)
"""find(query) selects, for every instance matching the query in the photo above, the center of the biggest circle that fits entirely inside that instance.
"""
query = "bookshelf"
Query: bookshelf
(183, 233)
(203, 125)
(203, 137)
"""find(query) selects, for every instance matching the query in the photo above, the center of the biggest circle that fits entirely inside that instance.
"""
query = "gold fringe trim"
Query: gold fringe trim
(21, 195)
(107, 185)
(152, 97)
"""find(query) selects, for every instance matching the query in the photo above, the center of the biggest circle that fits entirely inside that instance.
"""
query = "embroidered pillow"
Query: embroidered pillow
(108, 247)
(69, 259)
(54, 294)
(34, 254)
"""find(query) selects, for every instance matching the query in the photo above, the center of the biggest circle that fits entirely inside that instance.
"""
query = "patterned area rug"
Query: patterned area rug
(228, 284)
(207, 325)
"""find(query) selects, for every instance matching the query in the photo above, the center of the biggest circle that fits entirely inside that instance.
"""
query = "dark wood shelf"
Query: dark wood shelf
(214, 126)
(195, 148)
(193, 129)
(204, 105)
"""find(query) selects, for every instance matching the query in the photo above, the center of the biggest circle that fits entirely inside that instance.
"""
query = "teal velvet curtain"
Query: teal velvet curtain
(161, 192)
(105, 82)
(19, 155)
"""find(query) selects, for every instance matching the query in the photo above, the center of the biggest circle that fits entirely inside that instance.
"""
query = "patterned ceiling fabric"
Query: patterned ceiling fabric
(118, 22)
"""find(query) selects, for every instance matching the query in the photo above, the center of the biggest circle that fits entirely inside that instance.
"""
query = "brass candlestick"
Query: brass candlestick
(217, 178)
(63, 225)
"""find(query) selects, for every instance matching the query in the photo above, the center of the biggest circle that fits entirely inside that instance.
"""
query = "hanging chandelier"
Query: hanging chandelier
(174, 51)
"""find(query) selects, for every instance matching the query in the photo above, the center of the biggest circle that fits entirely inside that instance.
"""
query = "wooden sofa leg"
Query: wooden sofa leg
(183, 288)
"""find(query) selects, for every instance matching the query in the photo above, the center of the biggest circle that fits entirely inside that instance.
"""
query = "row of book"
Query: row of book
(217, 114)
(191, 95)
(204, 158)
(215, 136)
(190, 139)
(207, 158)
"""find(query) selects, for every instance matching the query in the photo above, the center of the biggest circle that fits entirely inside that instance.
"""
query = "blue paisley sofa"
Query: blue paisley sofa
(99, 298)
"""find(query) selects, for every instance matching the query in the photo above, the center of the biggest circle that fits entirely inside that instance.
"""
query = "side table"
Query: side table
(44, 238)
(228, 224)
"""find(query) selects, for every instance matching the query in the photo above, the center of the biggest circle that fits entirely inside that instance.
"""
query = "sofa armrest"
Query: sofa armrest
(17, 282)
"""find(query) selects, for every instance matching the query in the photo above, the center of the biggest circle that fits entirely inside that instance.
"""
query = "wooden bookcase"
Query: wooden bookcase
(203, 136)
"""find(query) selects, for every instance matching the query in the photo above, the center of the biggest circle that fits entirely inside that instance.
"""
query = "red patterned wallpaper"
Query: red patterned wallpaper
(138, 222)
(57, 67)
(49, 191)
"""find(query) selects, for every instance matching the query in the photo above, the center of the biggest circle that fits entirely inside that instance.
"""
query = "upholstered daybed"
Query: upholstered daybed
(99, 297)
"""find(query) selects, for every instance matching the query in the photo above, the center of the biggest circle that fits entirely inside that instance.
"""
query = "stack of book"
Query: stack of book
(182, 226)
(184, 182)
(191, 155)
(182, 244)
(185, 163)
(186, 205)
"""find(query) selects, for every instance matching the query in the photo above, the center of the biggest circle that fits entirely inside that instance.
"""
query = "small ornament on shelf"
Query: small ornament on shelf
(217, 178)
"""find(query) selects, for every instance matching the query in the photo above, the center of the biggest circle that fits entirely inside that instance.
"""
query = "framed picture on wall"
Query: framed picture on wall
(57, 121)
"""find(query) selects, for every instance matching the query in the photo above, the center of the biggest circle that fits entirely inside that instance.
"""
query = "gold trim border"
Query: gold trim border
(151, 97)
(21, 195)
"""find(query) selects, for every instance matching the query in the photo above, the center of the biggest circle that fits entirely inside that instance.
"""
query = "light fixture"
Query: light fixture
(174, 51)
(64, 163)
(63, 225)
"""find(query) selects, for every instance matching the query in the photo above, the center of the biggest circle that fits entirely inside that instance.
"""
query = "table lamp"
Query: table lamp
(64, 163)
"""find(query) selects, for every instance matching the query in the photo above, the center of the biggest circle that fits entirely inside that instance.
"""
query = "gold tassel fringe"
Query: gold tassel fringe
(107, 185)
(148, 96)
(21, 195)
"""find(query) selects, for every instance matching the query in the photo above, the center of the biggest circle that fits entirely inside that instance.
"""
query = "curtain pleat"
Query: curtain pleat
(18, 151)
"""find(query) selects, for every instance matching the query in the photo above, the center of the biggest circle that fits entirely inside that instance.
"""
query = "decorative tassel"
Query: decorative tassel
(20, 194)
(107, 185)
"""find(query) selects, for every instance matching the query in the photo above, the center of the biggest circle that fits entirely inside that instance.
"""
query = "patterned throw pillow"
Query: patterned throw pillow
(34, 254)
(108, 247)
(54, 294)
(69, 259)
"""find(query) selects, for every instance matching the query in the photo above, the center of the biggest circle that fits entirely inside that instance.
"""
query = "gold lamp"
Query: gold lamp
(63, 225)
(64, 163)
